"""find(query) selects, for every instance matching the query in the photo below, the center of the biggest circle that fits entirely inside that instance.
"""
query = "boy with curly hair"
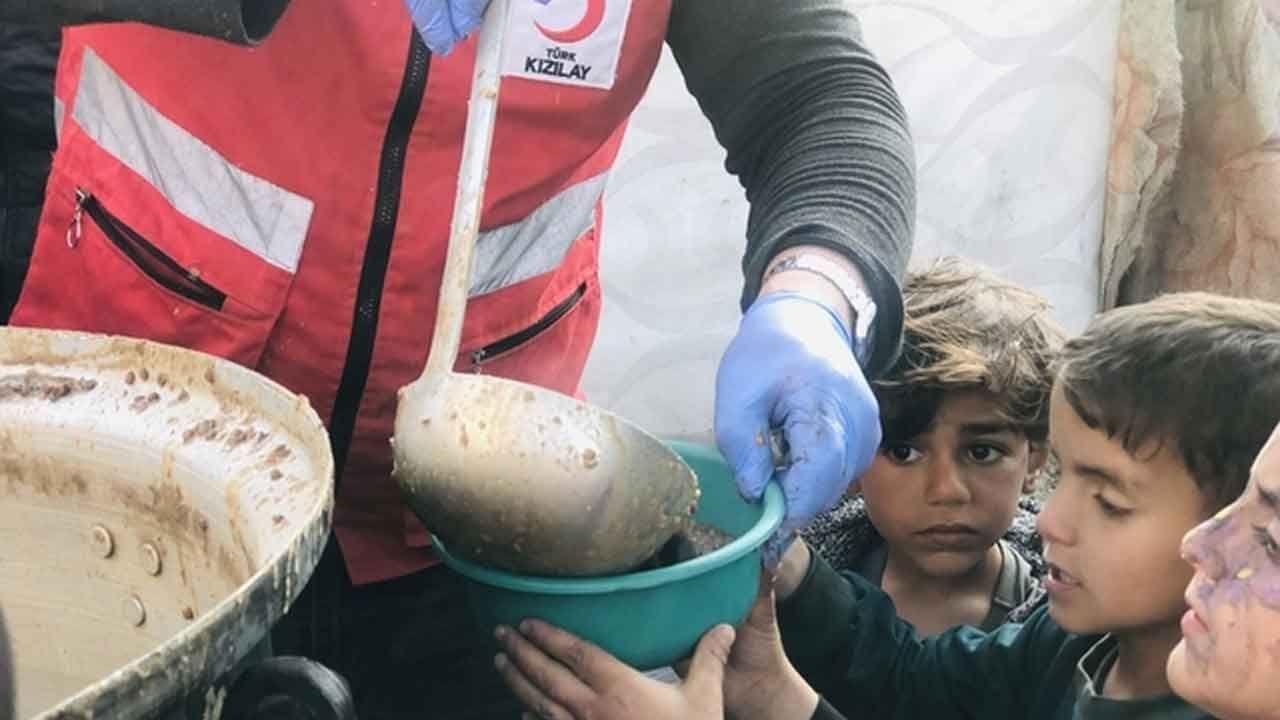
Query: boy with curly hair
(944, 522)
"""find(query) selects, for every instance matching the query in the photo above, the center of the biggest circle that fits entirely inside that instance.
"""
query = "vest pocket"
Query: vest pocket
(115, 255)
(513, 342)
(149, 259)
(549, 352)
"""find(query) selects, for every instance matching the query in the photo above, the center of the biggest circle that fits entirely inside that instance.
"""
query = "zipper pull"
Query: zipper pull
(75, 228)
(477, 357)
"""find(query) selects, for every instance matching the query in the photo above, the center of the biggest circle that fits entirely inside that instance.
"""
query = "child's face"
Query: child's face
(943, 498)
(1111, 530)
(1229, 658)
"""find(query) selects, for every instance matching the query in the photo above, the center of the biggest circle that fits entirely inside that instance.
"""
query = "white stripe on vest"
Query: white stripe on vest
(270, 221)
(536, 244)
(265, 219)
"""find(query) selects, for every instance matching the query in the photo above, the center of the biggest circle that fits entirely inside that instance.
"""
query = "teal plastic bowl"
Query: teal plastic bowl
(653, 618)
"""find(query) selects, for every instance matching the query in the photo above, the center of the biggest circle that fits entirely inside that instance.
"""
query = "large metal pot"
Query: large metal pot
(159, 510)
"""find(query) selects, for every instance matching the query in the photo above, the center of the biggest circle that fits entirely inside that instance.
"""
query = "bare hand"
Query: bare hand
(562, 677)
(759, 682)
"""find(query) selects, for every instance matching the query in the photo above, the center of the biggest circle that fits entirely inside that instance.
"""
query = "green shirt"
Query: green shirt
(1086, 702)
(843, 634)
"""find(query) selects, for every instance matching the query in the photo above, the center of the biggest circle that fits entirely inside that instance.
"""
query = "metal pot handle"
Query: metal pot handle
(289, 688)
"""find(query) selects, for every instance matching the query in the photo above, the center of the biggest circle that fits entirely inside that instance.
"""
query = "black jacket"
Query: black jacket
(232, 20)
(28, 56)
(29, 42)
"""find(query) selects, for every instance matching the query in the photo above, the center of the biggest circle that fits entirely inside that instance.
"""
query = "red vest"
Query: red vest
(288, 207)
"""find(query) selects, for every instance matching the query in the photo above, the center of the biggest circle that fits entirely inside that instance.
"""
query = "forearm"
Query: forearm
(815, 132)
(787, 696)
(237, 21)
(812, 285)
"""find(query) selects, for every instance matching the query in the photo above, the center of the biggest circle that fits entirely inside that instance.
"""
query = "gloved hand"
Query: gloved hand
(445, 23)
(791, 366)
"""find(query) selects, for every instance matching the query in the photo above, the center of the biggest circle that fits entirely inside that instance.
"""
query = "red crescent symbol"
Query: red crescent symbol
(589, 24)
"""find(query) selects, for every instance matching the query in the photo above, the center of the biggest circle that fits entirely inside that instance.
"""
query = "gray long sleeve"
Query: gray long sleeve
(815, 132)
(244, 22)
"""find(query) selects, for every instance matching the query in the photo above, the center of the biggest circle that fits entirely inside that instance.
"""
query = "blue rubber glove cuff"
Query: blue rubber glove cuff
(445, 23)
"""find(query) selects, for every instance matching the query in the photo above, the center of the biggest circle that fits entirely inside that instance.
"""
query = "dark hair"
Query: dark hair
(968, 329)
(1194, 371)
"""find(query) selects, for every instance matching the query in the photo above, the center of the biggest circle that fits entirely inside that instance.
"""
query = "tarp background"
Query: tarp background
(1194, 167)
(1010, 104)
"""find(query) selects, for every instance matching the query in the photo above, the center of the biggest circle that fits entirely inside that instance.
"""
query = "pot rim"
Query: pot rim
(771, 517)
(213, 643)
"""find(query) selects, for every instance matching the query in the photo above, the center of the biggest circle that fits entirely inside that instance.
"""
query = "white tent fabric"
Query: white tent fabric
(1010, 105)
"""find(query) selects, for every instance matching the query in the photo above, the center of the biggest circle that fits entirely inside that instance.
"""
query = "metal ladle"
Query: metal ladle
(510, 475)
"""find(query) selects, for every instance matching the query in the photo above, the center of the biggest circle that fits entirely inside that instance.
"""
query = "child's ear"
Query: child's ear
(1037, 456)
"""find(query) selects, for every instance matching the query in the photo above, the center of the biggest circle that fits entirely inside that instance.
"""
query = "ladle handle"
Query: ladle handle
(482, 111)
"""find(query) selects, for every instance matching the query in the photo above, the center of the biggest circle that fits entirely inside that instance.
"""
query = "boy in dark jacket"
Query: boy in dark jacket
(942, 524)
(1156, 416)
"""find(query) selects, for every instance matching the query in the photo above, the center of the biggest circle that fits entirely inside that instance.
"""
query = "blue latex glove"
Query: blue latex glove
(791, 366)
(445, 23)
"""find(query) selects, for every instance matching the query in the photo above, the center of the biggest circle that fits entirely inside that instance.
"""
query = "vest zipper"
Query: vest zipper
(151, 260)
(377, 256)
(511, 342)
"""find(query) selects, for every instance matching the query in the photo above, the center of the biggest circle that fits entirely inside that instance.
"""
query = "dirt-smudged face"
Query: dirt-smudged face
(1229, 659)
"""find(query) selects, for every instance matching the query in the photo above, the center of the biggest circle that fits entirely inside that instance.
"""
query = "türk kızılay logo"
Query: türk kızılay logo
(572, 42)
